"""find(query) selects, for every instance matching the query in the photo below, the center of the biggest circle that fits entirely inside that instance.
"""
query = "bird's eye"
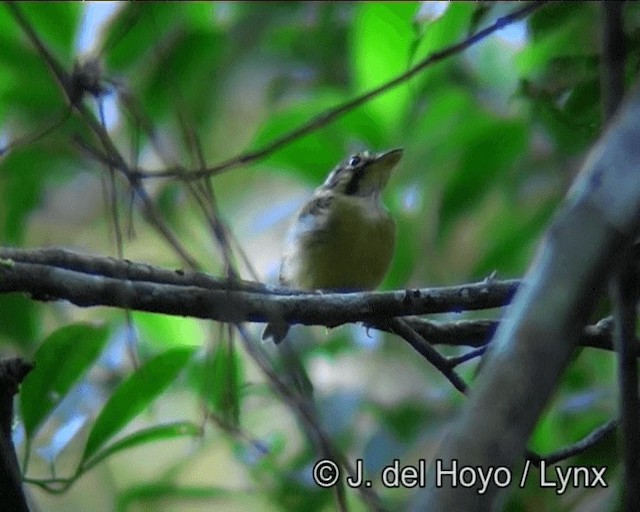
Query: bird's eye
(354, 160)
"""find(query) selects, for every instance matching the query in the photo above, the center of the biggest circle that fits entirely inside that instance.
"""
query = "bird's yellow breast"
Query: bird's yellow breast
(351, 248)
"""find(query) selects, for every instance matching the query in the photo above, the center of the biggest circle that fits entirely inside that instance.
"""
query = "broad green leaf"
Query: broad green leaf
(60, 362)
(225, 382)
(199, 15)
(30, 88)
(555, 30)
(584, 108)
(489, 151)
(512, 242)
(435, 36)
(405, 256)
(570, 135)
(19, 319)
(135, 32)
(218, 379)
(554, 17)
(56, 24)
(380, 46)
(310, 156)
(451, 28)
(134, 394)
(404, 419)
(147, 435)
(20, 191)
(188, 68)
(169, 331)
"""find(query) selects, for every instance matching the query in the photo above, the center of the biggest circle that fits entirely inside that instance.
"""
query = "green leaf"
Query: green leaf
(406, 254)
(147, 435)
(189, 69)
(312, 156)
(436, 35)
(19, 315)
(134, 394)
(21, 176)
(406, 420)
(490, 149)
(554, 17)
(168, 331)
(303, 155)
(380, 47)
(218, 379)
(571, 128)
(511, 243)
(60, 362)
(552, 38)
(136, 31)
(56, 24)
(226, 379)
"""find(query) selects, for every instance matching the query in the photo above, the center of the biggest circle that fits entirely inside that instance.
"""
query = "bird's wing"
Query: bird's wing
(314, 218)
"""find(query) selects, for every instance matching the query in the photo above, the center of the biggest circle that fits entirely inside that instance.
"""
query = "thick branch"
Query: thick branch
(95, 281)
(59, 274)
(12, 373)
(600, 218)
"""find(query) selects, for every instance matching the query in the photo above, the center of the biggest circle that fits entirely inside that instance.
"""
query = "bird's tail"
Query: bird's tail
(277, 331)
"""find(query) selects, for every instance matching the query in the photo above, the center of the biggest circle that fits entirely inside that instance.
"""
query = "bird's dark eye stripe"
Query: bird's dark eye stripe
(352, 186)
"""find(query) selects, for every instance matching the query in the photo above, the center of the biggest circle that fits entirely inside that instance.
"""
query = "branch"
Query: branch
(96, 281)
(478, 333)
(599, 220)
(403, 330)
(591, 439)
(624, 284)
(73, 85)
(305, 412)
(12, 373)
(331, 115)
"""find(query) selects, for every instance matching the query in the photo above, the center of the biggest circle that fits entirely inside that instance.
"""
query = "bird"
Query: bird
(343, 238)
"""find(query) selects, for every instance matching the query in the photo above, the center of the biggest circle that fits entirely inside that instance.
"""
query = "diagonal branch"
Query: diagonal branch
(598, 222)
(331, 115)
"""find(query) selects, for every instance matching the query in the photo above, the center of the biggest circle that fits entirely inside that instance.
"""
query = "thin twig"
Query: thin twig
(69, 84)
(306, 414)
(458, 360)
(28, 139)
(402, 329)
(591, 439)
(333, 114)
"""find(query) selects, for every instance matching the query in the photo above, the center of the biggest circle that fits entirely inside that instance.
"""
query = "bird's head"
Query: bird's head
(362, 174)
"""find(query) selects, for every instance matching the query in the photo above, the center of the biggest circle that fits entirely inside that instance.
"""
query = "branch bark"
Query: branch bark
(54, 274)
(12, 373)
(600, 218)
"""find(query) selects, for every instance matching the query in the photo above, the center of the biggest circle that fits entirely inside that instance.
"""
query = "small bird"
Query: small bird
(343, 238)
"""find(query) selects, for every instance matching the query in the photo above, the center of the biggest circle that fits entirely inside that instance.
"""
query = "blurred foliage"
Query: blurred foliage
(493, 137)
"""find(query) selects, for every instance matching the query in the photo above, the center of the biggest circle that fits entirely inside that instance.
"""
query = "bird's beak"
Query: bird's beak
(389, 159)
(384, 164)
